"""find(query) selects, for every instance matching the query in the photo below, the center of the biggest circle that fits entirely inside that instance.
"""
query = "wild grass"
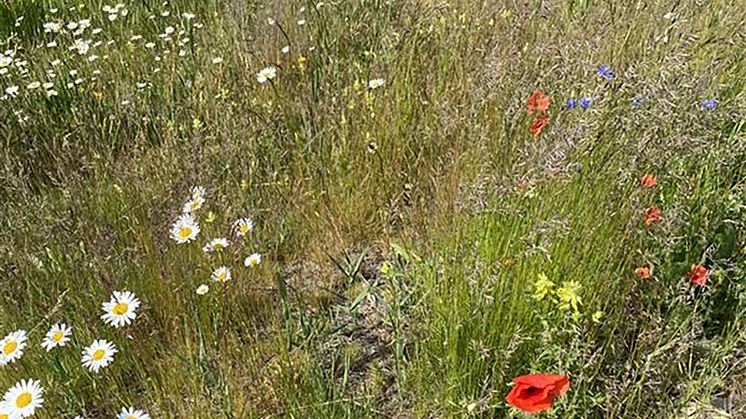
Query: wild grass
(402, 228)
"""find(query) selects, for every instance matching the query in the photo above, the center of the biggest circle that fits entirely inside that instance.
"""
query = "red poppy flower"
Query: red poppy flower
(538, 124)
(643, 272)
(537, 102)
(534, 393)
(698, 275)
(651, 215)
(648, 180)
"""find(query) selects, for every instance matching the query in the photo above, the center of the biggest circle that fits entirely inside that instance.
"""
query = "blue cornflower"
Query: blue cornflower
(709, 104)
(605, 72)
(571, 103)
(639, 101)
(585, 102)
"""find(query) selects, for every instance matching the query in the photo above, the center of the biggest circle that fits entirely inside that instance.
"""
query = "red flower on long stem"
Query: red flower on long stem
(651, 215)
(698, 274)
(534, 393)
(538, 124)
(537, 102)
(648, 180)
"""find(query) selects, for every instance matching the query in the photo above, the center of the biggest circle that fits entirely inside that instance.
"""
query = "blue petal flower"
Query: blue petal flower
(709, 104)
(606, 73)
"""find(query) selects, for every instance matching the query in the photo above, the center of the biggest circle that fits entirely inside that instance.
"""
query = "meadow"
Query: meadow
(372, 209)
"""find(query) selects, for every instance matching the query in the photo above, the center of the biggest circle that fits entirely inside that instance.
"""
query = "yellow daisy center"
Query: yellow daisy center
(217, 246)
(57, 336)
(98, 355)
(130, 417)
(185, 232)
(194, 205)
(10, 347)
(222, 276)
(243, 228)
(23, 400)
(4, 416)
(120, 309)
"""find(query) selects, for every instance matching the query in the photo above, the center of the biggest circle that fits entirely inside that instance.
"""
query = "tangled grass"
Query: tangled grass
(419, 247)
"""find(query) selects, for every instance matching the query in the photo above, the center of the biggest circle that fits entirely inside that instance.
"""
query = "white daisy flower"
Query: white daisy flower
(243, 226)
(197, 192)
(301, 22)
(33, 85)
(267, 73)
(376, 83)
(58, 335)
(52, 27)
(202, 289)
(120, 310)
(221, 274)
(24, 398)
(285, 49)
(132, 413)
(216, 245)
(185, 229)
(12, 347)
(193, 204)
(99, 355)
(6, 412)
(252, 260)
(188, 16)
(11, 90)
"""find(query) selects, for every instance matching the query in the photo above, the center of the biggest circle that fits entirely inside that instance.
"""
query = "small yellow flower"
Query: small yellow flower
(568, 295)
(597, 316)
(386, 269)
(543, 287)
(302, 62)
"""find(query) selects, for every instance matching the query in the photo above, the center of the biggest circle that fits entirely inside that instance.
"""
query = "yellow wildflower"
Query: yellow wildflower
(568, 295)
(543, 287)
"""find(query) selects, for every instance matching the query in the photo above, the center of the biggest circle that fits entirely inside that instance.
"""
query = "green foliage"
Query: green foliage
(403, 228)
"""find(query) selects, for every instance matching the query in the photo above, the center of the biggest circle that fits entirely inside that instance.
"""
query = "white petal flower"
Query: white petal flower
(185, 229)
(58, 335)
(221, 274)
(243, 226)
(267, 73)
(24, 398)
(376, 83)
(12, 346)
(193, 204)
(132, 413)
(253, 260)
(121, 309)
(216, 245)
(99, 355)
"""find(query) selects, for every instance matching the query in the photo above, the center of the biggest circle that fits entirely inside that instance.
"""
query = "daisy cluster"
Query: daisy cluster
(26, 396)
(186, 230)
(78, 46)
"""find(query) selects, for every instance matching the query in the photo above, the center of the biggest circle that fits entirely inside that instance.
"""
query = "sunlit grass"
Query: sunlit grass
(377, 231)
